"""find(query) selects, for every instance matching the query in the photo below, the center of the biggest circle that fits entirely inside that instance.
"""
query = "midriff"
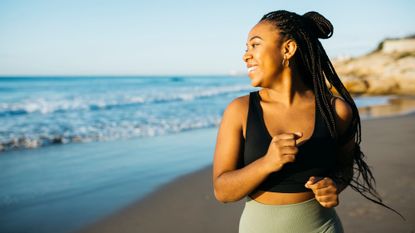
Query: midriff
(276, 198)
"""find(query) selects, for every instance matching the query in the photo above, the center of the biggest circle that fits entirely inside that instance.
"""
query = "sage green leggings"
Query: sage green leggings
(304, 217)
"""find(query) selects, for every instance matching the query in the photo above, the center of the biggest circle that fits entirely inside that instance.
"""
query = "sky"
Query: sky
(126, 37)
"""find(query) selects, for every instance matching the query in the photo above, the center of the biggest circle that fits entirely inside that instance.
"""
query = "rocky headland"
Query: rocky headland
(389, 69)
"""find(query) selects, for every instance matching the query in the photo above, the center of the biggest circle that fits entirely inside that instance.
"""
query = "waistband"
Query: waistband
(308, 202)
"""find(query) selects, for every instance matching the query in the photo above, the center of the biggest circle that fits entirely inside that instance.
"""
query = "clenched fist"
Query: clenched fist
(282, 150)
(325, 191)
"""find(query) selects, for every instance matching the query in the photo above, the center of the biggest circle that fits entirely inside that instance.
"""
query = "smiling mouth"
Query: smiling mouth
(252, 68)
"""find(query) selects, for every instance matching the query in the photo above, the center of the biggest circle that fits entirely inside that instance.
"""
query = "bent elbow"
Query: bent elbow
(219, 196)
(224, 197)
(223, 192)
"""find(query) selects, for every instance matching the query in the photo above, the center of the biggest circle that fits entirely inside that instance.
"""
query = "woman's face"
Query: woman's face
(263, 56)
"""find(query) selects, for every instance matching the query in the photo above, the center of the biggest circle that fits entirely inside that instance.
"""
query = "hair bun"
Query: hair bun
(318, 25)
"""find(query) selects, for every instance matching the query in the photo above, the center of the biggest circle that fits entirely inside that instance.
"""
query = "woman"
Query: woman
(290, 148)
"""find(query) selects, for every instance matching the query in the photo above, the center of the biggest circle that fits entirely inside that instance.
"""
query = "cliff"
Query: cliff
(390, 69)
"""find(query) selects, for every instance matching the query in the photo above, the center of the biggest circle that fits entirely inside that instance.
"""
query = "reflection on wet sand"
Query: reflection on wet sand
(397, 105)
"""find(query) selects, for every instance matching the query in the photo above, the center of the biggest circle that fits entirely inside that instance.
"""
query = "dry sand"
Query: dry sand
(188, 204)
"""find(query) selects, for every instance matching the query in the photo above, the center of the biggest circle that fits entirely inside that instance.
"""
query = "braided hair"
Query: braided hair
(316, 70)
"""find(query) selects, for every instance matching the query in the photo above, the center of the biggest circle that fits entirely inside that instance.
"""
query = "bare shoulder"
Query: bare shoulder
(344, 113)
(237, 108)
(235, 115)
(228, 142)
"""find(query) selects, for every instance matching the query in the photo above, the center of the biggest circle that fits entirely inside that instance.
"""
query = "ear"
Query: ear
(288, 48)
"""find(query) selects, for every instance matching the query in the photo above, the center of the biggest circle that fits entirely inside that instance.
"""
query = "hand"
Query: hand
(325, 191)
(282, 150)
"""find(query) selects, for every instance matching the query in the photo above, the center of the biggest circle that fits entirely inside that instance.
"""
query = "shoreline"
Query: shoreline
(187, 203)
(64, 188)
(395, 105)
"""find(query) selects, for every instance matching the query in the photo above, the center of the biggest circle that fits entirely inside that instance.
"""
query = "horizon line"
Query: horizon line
(113, 75)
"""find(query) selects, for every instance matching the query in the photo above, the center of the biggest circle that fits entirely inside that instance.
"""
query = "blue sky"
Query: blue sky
(156, 37)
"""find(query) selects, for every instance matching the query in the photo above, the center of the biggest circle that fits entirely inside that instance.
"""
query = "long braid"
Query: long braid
(313, 62)
(364, 182)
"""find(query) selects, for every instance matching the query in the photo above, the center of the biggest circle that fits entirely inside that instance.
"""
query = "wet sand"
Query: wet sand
(188, 205)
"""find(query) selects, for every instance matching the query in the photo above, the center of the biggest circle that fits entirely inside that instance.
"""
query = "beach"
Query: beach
(187, 204)
(104, 153)
(63, 188)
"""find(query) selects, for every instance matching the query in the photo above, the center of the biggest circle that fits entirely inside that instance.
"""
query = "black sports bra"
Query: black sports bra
(316, 156)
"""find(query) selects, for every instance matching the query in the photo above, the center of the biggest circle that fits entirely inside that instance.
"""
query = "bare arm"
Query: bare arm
(345, 152)
(230, 183)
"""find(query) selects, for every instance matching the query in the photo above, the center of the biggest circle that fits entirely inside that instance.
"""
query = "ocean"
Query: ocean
(36, 112)
(75, 149)
(40, 111)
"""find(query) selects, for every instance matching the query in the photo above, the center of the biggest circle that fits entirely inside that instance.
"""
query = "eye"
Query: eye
(253, 46)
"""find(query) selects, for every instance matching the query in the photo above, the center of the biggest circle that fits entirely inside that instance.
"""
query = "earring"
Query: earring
(283, 62)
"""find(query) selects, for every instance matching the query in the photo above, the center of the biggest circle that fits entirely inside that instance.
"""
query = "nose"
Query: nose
(247, 55)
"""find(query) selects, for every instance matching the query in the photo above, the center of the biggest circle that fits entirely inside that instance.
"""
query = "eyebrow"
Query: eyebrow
(254, 38)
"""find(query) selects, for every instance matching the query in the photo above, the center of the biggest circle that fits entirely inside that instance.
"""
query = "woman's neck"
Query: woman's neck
(287, 89)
